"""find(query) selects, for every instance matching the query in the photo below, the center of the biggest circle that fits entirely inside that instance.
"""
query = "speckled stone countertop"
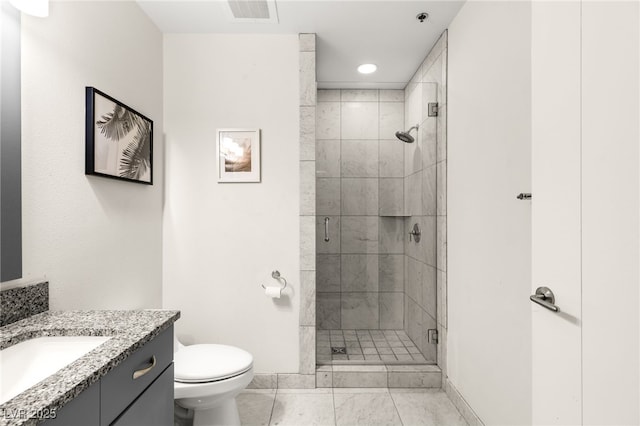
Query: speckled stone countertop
(129, 330)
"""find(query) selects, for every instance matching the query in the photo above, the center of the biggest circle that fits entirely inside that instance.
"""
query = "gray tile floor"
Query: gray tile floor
(371, 346)
(348, 407)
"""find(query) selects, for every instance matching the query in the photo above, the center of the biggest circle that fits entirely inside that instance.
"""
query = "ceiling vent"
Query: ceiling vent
(252, 11)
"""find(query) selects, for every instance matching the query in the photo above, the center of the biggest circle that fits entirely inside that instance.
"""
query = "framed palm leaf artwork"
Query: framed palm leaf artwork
(119, 140)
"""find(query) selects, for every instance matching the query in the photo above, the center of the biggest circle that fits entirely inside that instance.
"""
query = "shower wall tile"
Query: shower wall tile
(328, 95)
(414, 322)
(307, 43)
(441, 262)
(425, 250)
(307, 350)
(350, 270)
(442, 188)
(442, 87)
(359, 272)
(366, 95)
(414, 278)
(307, 188)
(328, 196)
(307, 244)
(328, 273)
(429, 191)
(390, 95)
(428, 349)
(391, 119)
(429, 94)
(359, 196)
(391, 272)
(307, 132)
(442, 134)
(433, 60)
(429, 141)
(328, 311)
(441, 317)
(413, 155)
(333, 245)
(429, 288)
(413, 104)
(391, 162)
(359, 120)
(391, 311)
(359, 234)
(328, 120)
(391, 196)
(413, 194)
(328, 158)
(359, 158)
(308, 298)
(308, 89)
(360, 310)
(391, 235)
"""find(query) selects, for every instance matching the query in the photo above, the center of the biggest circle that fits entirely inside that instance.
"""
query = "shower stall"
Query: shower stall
(377, 211)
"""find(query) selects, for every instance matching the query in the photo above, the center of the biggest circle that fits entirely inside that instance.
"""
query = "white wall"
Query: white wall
(489, 242)
(98, 241)
(221, 241)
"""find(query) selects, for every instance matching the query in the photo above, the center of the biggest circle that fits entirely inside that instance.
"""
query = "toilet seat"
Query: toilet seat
(205, 363)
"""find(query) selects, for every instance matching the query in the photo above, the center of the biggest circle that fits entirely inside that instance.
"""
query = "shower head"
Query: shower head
(406, 136)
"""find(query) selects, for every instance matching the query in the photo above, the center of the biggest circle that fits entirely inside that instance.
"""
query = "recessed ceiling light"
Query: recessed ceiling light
(367, 68)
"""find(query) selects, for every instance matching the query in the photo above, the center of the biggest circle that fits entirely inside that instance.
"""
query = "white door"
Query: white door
(586, 114)
(555, 216)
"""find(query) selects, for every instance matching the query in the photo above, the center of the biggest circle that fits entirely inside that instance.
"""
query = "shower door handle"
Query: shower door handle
(544, 297)
(326, 229)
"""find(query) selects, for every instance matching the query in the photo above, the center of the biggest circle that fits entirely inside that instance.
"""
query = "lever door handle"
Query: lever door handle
(544, 297)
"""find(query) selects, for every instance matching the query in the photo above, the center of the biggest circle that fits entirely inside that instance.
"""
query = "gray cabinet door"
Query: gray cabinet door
(83, 410)
(154, 407)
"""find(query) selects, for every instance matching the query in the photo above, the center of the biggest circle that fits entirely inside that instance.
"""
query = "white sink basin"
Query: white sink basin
(25, 364)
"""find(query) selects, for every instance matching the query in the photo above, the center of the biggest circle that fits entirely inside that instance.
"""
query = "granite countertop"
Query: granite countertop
(129, 330)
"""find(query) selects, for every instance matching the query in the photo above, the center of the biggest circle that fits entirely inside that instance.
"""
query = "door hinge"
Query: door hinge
(432, 335)
(433, 109)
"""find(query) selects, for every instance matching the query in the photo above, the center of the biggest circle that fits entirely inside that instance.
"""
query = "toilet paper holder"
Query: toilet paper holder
(276, 276)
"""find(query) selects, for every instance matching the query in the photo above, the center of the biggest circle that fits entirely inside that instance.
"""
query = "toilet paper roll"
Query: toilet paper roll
(273, 292)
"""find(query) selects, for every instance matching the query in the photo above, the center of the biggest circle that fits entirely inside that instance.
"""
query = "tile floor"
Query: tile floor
(370, 346)
(348, 406)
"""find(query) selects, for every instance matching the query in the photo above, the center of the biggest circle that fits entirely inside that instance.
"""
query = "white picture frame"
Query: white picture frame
(238, 152)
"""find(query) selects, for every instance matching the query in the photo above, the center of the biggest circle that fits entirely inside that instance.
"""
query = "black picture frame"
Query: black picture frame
(118, 140)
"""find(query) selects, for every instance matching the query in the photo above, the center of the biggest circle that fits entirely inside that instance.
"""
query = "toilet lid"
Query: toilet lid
(206, 363)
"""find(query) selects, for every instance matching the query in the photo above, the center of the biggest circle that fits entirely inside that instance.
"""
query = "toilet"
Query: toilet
(207, 379)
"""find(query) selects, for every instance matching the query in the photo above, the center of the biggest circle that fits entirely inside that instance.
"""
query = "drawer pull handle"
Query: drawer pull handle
(139, 373)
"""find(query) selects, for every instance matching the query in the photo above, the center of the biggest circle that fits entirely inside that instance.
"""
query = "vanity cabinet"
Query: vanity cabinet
(137, 392)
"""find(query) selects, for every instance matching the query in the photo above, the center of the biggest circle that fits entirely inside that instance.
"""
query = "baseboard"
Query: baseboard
(465, 409)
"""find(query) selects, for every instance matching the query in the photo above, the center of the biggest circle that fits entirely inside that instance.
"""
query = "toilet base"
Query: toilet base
(225, 413)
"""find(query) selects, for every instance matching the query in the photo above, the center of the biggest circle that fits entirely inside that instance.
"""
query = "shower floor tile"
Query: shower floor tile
(372, 346)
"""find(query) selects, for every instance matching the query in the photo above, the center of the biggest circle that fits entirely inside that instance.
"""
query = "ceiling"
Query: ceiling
(349, 33)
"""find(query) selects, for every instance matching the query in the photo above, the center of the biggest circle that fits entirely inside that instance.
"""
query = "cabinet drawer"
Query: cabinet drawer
(154, 407)
(118, 388)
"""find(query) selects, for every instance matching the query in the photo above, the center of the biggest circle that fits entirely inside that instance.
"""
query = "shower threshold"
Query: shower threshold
(367, 347)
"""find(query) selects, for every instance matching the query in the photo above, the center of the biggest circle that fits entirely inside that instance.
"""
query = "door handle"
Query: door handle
(544, 297)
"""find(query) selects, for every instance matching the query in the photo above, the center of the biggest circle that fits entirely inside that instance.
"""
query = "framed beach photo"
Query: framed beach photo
(119, 140)
(238, 155)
